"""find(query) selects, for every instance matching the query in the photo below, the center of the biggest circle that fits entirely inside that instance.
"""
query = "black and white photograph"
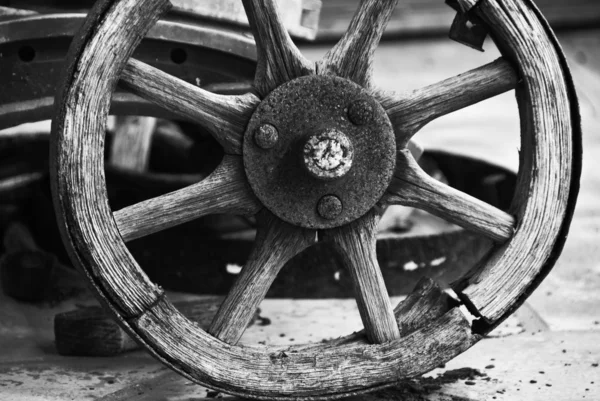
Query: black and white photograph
(299, 200)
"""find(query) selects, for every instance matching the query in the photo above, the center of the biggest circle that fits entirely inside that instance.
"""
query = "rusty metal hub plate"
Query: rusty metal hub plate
(331, 140)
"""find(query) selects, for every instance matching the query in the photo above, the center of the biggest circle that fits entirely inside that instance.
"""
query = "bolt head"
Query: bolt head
(329, 207)
(360, 112)
(328, 155)
(266, 136)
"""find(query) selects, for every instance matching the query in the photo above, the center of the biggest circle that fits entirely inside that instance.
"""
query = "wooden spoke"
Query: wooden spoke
(279, 60)
(131, 142)
(411, 186)
(224, 191)
(356, 243)
(276, 243)
(224, 116)
(352, 56)
(409, 113)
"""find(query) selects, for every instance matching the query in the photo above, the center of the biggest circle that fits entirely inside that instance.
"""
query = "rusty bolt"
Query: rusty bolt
(360, 112)
(266, 136)
(328, 155)
(329, 207)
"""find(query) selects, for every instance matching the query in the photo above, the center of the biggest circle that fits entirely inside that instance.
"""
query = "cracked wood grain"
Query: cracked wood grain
(225, 116)
(352, 56)
(411, 186)
(224, 191)
(411, 112)
(96, 57)
(547, 160)
(426, 303)
(356, 244)
(365, 367)
(96, 246)
(99, 53)
(276, 243)
(279, 60)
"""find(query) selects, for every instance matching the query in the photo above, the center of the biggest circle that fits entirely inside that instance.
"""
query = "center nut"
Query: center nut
(328, 155)
(319, 151)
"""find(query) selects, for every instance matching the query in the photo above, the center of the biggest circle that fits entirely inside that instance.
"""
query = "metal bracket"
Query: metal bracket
(467, 28)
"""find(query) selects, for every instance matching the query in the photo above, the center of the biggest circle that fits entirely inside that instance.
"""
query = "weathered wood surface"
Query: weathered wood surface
(92, 81)
(278, 58)
(366, 367)
(548, 172)
(224, 116)
(356, 244)
(412, 111)
(194, 353)
(352, 56)
(275, 244)
(569, 298)
(516, 360)
(411, 186)
(224, 191)
(142, 305)
(426, 303)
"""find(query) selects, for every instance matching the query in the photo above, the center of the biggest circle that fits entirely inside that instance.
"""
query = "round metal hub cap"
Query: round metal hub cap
(321, 151)
(328, 155)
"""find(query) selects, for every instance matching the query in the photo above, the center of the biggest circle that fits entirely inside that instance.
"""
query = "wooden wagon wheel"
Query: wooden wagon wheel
(317, 157)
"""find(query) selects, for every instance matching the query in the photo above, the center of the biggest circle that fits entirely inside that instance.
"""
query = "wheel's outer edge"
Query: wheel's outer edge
(257, 372)
(484, 326)
(487, 323)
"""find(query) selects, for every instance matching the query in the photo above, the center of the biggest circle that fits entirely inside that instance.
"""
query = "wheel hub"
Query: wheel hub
(319, 151)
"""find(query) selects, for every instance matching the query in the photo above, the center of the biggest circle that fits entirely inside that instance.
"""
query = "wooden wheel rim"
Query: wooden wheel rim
(318, 371)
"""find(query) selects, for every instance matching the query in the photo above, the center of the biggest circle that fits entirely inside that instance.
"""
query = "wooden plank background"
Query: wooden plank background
(413, 17)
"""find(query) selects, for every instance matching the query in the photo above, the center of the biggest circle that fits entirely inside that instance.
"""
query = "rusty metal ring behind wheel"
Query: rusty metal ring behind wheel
(199, 54)
(34, 49)
(422, 332)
